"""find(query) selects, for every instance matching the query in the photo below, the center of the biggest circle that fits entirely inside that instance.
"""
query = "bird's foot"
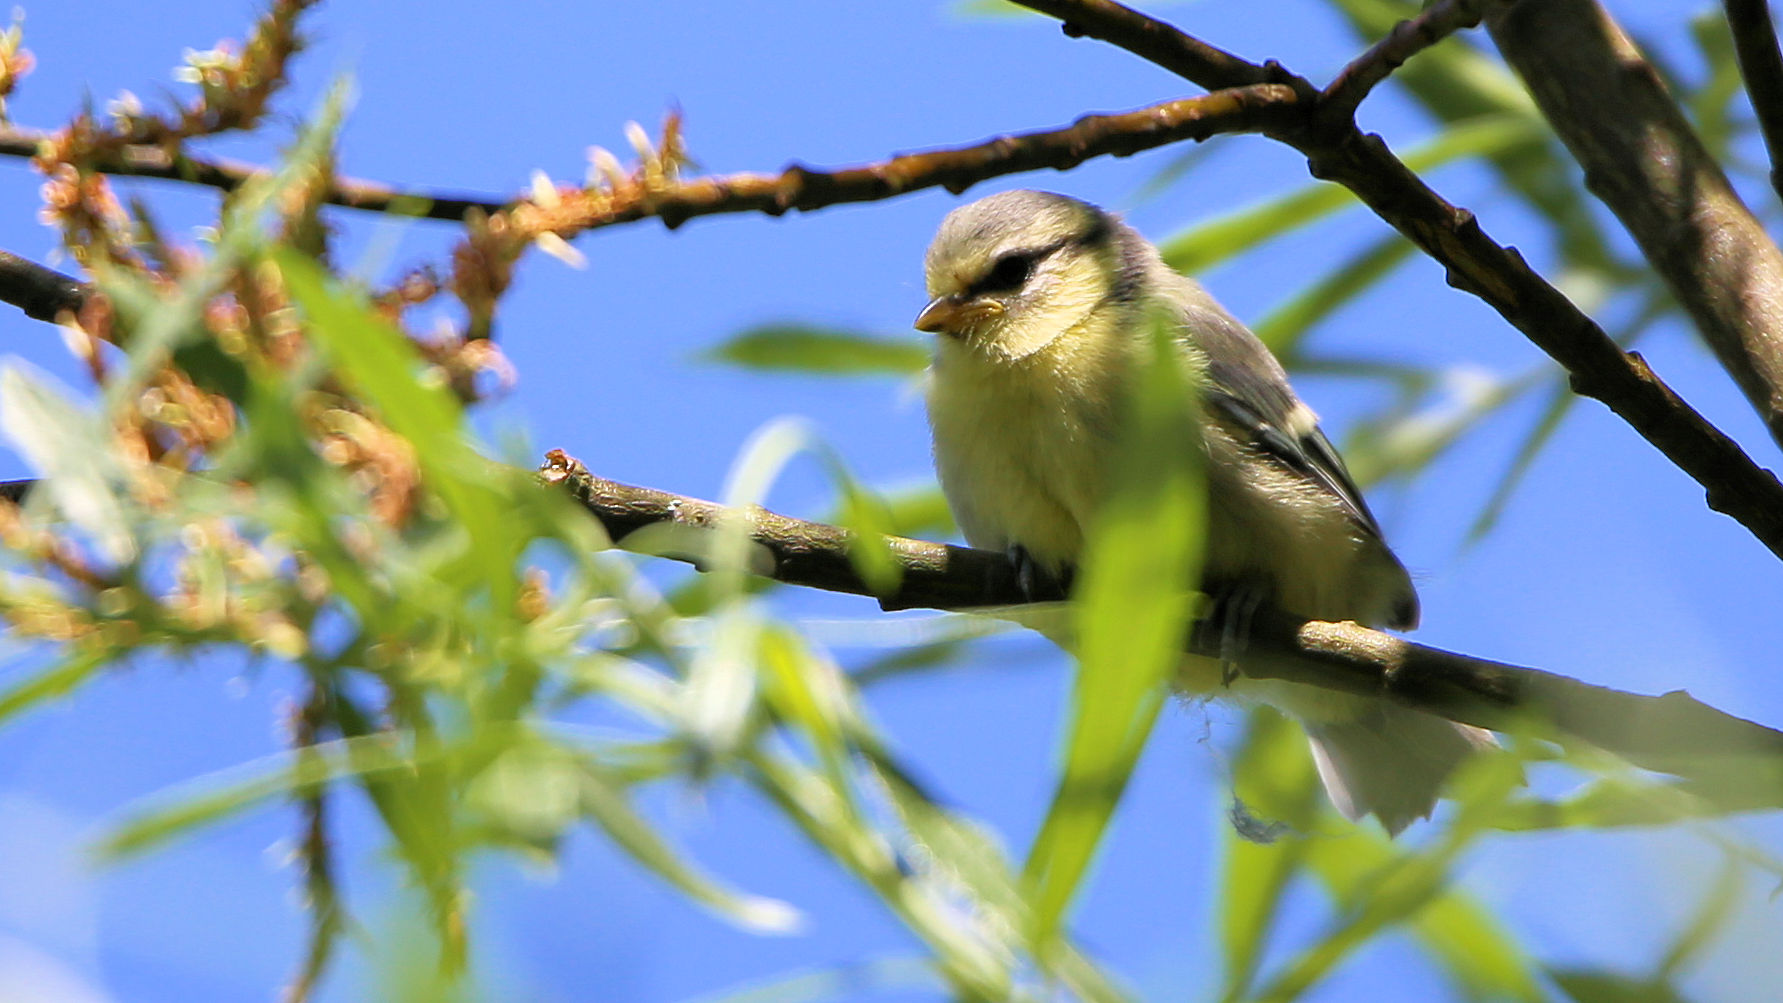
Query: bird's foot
(1037, 582)
(1234, 605)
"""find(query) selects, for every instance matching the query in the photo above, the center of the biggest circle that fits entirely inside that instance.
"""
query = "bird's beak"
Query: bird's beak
(952, 315)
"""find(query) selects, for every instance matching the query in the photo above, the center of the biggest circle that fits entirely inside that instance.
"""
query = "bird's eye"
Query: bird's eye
(1008, 274)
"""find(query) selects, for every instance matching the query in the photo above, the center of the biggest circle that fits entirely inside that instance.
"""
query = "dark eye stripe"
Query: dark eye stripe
(1008, 274)
(1013, 269)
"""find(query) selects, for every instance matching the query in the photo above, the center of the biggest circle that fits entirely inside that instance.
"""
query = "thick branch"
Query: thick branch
(1761, 64)
(1672, 733)
(42, 293)
(1644, 161)
(1336, 150)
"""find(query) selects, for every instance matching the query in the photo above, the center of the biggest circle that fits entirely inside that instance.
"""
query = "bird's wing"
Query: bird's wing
(1249, 387)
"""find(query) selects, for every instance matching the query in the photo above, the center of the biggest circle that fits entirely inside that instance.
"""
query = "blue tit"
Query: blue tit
(1043, 307)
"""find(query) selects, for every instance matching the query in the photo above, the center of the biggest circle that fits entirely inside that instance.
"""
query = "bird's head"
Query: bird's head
(1010, 273)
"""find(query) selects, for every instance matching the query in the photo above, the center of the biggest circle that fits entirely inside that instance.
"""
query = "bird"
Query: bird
(1042, 308)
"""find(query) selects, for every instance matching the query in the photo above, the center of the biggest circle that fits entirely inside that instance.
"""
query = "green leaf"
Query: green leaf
(1589, 986)
(61, 678)
(1134, 602)
(1216, 240)
(604, 801)
(1284, 326)
(801, 348)
(1274, 776)
(386, 372)
(71, 451)
(230, 792)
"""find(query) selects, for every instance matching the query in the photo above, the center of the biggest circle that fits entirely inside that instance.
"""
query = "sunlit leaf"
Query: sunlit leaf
(71, 450)
(1285, 325)
(1216, 240)
(800, 348)
(605, 802)
(1134, 603)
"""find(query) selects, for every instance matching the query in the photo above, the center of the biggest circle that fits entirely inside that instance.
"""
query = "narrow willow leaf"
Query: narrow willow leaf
(1135, 600)
(71, 451)
(1719, 904)
(386, 371)
(211, 799)
(801, 348)
(161, 323)
(1216, 240)
(1284, 327)
(842, 983)
(1379, 885)
(47, 684)
(1589, 986)
(605, 802)
(1272, 777)
(1559, 401)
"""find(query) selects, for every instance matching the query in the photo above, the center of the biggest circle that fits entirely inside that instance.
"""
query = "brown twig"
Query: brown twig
(228, 175)
(1672, 733)
(1337, 151)
(1761, 64)
(1645, 162)
(1407, 39)
(42, 293)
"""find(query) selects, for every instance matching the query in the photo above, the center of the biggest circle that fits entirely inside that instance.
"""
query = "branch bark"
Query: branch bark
(1761, 66)
(1645, 162)
(1338, 151)
(1673, 733)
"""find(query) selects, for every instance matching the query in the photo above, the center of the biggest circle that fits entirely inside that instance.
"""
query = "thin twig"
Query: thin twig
(1672, 733)
(1158, 42)
(1407, 39)
(1761, 64)
(228, 175)
(1735, 485)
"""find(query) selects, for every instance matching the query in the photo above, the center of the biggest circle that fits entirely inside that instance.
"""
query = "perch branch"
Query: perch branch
(1673, 733)
(1337, 151)
(1643, 160)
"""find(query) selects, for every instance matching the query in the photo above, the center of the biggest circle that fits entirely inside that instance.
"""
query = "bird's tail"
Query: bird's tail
(1390, 761)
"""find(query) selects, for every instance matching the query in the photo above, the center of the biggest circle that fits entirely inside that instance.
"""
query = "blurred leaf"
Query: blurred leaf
(1285, 325)
(1397, 445)
(71, 450)
(239, 788)
(918, 512)
(800, 348)
(1209, 243)
(1712, 105)
(1373, 883)
(605, 802)
(843, 983)
(1560, 399)
(60, 678)
(1720, 901)
(1134, 600)
(1588, 986)
(484, 500)
(1273, 772)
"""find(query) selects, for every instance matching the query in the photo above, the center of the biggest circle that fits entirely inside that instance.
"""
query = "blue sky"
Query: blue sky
(1607, 566)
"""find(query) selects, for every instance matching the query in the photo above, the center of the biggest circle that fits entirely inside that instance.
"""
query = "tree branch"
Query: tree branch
(1673, 733)
(1337, 151)
(1761, 64)
(42, 293)
(1645, 162)
(228, 175)
(1407, 39)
